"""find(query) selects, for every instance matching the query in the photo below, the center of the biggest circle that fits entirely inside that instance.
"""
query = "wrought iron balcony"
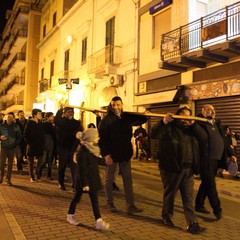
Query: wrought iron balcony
(213, 38)
(109, 56)
(14, 86)
(43, 85)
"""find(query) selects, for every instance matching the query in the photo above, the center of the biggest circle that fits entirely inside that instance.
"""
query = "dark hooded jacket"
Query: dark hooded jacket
(34, 136)
(115, 134)
(66, 130)
(175, 141)
(88, 170)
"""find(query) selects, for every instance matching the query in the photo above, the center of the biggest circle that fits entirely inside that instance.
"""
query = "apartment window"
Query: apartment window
(44, 30)
(51, 72)
(110, 32)
(54, 19)
(84, 50)
(161, 25)
(42, 73)
(66, 60)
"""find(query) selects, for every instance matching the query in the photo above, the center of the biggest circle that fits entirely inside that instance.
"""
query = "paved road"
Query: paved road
(37, 211)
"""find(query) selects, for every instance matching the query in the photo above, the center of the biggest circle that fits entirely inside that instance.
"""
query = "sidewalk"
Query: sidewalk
(227, 185)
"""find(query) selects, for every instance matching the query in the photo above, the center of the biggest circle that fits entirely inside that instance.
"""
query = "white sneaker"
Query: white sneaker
(71, 219)
(32, 180)
(102, 225)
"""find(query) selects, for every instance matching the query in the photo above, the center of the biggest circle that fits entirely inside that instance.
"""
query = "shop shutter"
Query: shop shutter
(153, 120)
(227, 110)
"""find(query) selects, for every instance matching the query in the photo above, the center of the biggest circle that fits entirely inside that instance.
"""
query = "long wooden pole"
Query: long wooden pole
(147, 114)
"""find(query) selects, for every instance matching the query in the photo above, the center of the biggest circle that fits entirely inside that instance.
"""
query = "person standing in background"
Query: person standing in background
(35, 138)
(50, 144)
(10, 136)
(66, 129)
(21, 121)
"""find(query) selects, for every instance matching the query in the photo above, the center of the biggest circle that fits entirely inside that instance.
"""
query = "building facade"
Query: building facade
(87, 54)
(19, 57)
(193, 57)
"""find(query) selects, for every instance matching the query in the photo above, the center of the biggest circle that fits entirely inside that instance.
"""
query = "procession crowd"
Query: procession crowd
(186, 147)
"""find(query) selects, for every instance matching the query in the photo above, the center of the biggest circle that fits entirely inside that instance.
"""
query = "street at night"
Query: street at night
(38, 211)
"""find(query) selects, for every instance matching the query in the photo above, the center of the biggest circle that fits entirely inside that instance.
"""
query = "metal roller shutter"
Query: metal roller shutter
(227, 110)
(171, 107)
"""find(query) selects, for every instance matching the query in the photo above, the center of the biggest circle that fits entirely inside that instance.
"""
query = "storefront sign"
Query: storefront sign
(159, 6)
(214, 89)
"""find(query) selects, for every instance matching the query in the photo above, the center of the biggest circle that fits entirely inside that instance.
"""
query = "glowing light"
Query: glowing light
(69, 39)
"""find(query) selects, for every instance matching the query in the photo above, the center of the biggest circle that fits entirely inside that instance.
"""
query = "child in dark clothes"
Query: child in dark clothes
(87, 177)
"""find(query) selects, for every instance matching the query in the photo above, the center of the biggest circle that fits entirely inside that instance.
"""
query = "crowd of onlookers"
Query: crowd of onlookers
(26, 139)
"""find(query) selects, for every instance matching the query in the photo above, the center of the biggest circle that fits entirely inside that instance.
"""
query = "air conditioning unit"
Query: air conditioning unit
(116, 80)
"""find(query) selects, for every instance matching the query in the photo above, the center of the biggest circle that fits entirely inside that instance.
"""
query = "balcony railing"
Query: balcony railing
(43, 85)
(220, 26)
(16, 80)
(9, 103)
(18, 57)
(110, 55)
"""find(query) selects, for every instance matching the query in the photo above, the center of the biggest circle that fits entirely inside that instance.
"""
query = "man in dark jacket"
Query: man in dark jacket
(178, 160)
(213, 155)
(66, 128)
(115, 131)
(21, 121)
(34, 136)
(10, 136)
(50, 144)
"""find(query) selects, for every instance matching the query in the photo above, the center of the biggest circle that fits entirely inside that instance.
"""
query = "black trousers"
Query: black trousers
(208, 188)
(65, 158)
(94, 201)
(172, 182)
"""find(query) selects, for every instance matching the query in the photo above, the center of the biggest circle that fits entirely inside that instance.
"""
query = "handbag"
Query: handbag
(233, 168)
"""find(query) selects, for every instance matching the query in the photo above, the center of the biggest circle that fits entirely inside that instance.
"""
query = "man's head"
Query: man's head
(21, 115)
(117, 105)
(208, 111)
(37, 114)
(68, 112)
(184, 111)
(49, 117)
(10, 118)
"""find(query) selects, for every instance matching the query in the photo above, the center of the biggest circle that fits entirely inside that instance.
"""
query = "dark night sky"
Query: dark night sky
(4, 5)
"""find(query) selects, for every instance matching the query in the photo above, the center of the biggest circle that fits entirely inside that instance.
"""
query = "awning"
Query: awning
(153, 98)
